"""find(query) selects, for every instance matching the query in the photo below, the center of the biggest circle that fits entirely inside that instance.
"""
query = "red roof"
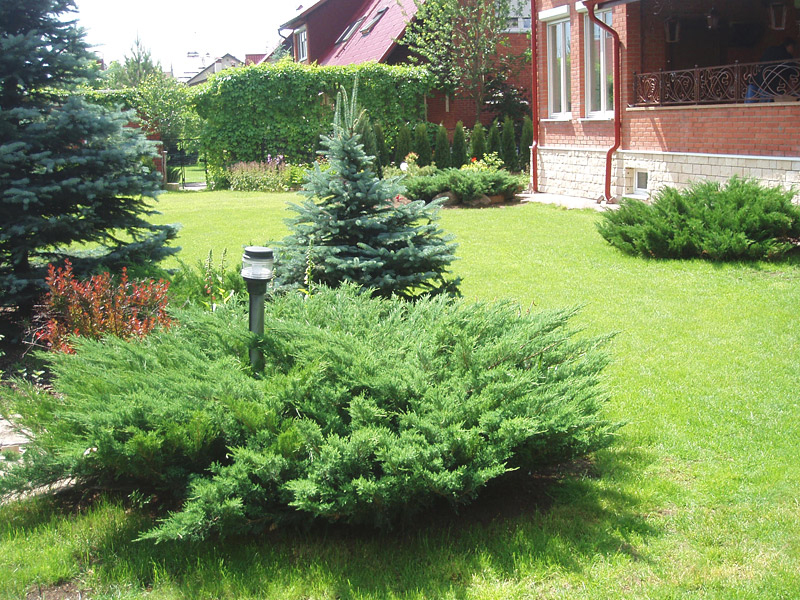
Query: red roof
(373, 40)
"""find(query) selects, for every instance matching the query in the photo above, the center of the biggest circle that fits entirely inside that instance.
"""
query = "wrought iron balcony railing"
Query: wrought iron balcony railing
(728, 84)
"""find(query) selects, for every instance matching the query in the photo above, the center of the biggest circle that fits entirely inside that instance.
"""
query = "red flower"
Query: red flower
(474, 159)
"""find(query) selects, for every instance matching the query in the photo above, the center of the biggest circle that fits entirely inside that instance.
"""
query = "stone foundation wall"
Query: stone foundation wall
(581, 172)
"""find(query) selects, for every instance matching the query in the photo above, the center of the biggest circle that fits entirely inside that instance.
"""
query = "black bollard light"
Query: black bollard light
(257, 270)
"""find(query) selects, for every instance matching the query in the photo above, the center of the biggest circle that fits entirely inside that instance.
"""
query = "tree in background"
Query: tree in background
(441, 154)
(135, 68)
(462, 42)
(458, 155)
(525, 143)
(422, 145)
(384, 154)
(478, 142)
(164, 106)
(70, 171)
(402, 146)
(493, 138)
(508, 146)
(348, 229)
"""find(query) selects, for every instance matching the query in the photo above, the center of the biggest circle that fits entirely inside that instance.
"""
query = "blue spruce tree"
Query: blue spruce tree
(349, 230)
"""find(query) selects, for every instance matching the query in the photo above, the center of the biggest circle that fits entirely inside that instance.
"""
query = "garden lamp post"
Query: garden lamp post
(257, 270)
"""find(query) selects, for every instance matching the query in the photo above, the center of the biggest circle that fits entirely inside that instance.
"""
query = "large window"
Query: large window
(301, 44)
(599, 68)
(559, 61)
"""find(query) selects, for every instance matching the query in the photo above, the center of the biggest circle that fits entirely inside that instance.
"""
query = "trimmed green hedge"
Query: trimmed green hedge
(283, 108)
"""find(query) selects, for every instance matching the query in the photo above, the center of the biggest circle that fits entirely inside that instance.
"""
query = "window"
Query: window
(559, 61)
(374, 20)
(351, 29)
(301, 44)
(599, 68)
(519, 17)
(640, 181)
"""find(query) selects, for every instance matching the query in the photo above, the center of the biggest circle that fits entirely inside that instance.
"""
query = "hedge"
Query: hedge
(283, 108)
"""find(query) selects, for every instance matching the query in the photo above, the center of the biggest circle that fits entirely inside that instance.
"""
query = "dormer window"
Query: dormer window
(301, 44)
(351, 29)
(374, 20)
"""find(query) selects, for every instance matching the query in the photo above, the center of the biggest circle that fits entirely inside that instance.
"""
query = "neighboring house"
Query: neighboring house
(673, 107)
(219, 64)
(342, 32)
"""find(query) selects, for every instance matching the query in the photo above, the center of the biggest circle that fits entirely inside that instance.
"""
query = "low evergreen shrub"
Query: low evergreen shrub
(741, 220)
(466, 183)
(368, 410)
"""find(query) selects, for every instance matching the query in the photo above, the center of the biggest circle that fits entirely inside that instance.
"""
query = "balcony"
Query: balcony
(728, 84)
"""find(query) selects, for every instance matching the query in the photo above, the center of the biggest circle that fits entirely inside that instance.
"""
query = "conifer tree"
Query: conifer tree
(70, 171)
(422, 145)
(493, 141)
(384, 156)
(349, 230)
(459, 151)
(525, 143)
(508, 146)
(441, 155)
(402, 145)
(478, 142)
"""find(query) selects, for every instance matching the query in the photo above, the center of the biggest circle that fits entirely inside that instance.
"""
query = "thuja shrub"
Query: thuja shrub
(741, 220)
(368, 410)
(98, 306)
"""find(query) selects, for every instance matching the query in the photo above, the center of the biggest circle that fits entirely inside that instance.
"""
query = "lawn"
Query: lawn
(700, 496)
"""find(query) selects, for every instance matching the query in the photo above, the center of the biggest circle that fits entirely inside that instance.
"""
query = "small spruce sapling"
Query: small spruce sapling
(354, 231)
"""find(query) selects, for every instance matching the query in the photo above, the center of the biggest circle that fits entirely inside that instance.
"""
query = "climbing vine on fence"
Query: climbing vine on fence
(283, 108)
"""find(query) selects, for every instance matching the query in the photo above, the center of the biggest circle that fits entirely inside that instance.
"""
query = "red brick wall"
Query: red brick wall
(759, 130)
(463, 109)
(752, 129)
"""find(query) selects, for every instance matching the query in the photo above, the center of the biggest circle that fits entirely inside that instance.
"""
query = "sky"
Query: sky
(172, 28)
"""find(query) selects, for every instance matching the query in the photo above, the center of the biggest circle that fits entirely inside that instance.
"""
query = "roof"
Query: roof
(302, 15)
(376, 27)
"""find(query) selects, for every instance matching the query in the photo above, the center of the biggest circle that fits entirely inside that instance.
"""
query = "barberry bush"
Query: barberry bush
(98, 306)
(368, 410)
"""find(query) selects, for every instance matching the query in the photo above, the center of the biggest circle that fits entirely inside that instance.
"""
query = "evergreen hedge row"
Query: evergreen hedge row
(283, 108)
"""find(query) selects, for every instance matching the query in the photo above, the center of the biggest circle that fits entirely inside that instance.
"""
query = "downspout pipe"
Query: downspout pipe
(591, 5)
(534, 98)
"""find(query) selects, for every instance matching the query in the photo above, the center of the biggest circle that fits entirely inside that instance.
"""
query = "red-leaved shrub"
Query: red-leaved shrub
(97, 306)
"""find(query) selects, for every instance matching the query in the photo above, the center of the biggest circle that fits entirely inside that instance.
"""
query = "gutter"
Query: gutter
(534, 99)
(591, 5)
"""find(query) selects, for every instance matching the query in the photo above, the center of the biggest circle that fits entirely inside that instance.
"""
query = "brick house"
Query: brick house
(341, 32)
(681, 70)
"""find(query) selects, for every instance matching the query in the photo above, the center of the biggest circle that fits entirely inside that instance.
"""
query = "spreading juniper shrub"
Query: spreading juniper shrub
(368, 410)
(741, 220)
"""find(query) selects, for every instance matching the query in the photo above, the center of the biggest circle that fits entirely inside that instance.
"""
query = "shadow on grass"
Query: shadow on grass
(520, 525)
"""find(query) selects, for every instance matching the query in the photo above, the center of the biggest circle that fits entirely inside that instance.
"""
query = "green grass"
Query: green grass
(700, 497)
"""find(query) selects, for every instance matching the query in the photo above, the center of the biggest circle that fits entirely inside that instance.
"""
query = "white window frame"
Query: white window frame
(555, 30)
(638, 191)
(301, 43)
(348, 33)
(606, 104)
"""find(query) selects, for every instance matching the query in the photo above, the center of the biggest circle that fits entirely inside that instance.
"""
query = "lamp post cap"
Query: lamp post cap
(258, 252)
